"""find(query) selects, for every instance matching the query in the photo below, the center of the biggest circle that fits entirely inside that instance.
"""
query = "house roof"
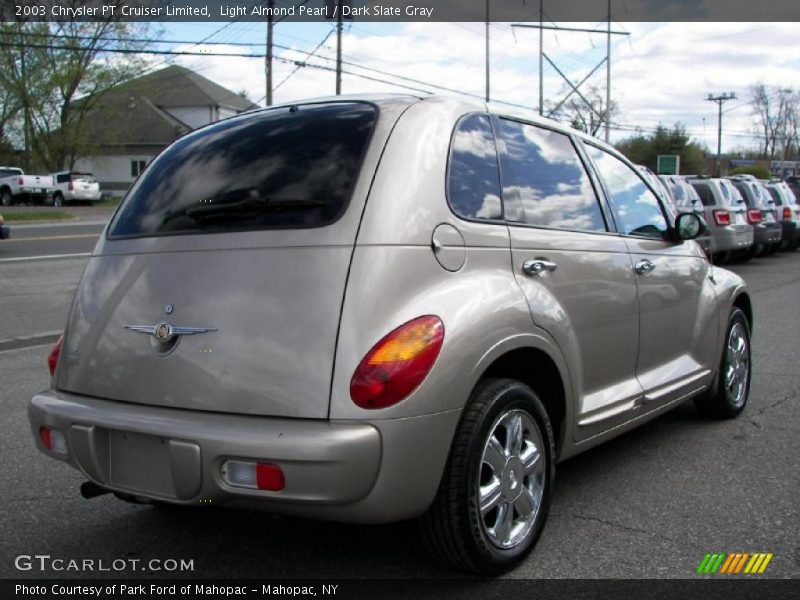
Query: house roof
(176, 86)
(130, 120)
(136, 111)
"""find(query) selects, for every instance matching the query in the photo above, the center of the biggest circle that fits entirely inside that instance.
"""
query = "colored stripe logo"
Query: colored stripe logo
(733, 563)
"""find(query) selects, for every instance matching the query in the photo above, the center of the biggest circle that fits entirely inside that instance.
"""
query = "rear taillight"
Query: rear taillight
(53, 440)
(397, 364)
(52, 360)
(787, 213)
(19, 181)
(753, 216)
(722, 217)
(253, 475)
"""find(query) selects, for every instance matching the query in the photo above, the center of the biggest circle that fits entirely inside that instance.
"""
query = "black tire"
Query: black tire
(6, 199)
(58, 200)
(773, 249)
(720, 258)
(745, 255)
(453, 529)
(722, 402)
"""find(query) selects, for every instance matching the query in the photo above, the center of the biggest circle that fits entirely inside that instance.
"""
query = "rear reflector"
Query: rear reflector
(53, 440)
(52, 359)
(754, 216)
(397, 364)
(722, 217)
(253, 475)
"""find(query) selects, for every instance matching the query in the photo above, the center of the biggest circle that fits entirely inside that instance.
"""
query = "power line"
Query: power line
(299, 66)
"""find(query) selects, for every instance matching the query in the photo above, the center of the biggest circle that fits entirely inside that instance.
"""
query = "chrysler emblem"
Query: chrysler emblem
(165, 332)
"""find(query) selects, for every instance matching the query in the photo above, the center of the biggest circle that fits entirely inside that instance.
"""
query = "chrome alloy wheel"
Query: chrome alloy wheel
(737, 364)
(511, 479)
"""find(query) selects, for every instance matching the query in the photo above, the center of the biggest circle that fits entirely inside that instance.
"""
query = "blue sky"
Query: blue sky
(661, 72)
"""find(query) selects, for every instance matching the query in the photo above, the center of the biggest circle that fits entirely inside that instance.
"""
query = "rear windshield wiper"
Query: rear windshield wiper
(252, 204)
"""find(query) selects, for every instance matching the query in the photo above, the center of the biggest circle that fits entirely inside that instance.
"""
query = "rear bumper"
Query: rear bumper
(355, 471)
(767, 235)
(732, 238)
(82, 196)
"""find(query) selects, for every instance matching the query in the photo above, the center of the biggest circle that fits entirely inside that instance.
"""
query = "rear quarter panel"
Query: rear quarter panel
(395, 277)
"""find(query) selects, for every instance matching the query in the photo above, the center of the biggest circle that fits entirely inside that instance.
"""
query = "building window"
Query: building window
(137, 167)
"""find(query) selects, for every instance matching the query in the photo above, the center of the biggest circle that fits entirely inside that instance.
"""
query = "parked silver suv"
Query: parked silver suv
(730, 222)
(369, 309)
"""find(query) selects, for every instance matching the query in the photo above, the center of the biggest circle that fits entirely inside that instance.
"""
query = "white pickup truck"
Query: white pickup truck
(18, 188)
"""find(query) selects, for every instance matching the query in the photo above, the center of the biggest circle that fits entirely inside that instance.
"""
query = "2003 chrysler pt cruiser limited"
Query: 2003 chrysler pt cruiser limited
(369, 309)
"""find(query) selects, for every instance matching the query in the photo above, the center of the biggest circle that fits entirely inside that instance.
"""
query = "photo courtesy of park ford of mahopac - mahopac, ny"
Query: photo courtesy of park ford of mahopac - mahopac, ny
(441, 299)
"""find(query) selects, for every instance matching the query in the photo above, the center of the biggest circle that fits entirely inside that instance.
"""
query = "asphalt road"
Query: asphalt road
(36, 292)
(649, 504)
(49, 240)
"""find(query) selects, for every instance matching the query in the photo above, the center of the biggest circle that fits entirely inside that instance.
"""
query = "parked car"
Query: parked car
(72, 186)
(788, 213)
(767, 232)
(685, 199)
(729, 222)
(18, 188)
(793, 181)
(5, 230)
(347, 316)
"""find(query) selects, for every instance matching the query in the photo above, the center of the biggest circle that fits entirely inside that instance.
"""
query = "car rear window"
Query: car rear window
(704, 191)
(281, 168)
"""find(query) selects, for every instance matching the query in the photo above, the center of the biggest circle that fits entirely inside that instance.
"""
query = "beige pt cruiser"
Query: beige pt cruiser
(376, 308)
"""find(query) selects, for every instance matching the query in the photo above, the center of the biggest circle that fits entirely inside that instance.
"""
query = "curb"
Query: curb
(29, 341)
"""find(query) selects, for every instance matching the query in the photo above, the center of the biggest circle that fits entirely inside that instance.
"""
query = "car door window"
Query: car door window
(473, 182)
(636, 209)
(549, 178)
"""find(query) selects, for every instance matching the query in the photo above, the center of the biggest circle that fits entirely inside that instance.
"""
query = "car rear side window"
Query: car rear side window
(550, 179)
(280, 168)
(636, 209)
(473, 183)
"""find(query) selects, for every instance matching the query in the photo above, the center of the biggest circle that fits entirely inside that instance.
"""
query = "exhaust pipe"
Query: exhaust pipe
(89, 489)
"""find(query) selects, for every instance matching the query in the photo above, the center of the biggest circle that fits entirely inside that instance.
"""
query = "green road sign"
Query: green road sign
(668, 164)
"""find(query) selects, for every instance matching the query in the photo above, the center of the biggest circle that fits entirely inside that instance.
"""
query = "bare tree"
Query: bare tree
(776, 118)
(586, 112)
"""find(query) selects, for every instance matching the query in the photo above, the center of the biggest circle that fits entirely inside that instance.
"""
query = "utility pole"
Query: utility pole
(541, 58)
(608, 75)
(720, 99)
(602, 116)
(339, 48)
(268, 59)
(487, 51)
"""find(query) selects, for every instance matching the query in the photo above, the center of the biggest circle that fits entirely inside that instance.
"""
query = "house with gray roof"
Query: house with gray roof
(137, 119)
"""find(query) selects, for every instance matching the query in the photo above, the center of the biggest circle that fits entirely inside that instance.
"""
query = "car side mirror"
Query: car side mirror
(688, 226)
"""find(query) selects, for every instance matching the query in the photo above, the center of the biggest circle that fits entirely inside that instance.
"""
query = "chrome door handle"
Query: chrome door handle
(644, 266)
(538, 266)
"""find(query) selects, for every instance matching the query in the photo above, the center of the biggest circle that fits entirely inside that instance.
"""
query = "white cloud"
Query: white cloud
(661, 73)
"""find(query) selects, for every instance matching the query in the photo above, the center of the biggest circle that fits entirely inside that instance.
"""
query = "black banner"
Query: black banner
(466, 589)
(401, 10)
